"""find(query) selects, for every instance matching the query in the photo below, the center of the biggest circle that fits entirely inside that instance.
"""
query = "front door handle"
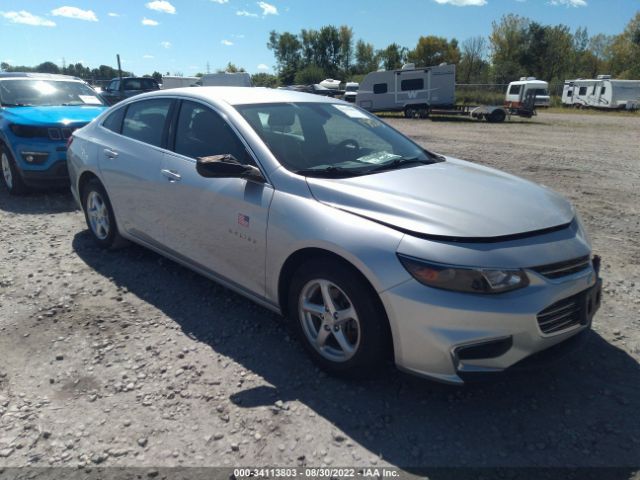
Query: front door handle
(110, 153)
(171, 175)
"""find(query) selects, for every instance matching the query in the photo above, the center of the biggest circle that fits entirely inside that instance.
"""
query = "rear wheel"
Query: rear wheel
(337, 318)
(99, 215)
(10, 175)
(497, 116)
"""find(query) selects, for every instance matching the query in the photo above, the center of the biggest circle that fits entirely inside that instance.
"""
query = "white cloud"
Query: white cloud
(148, 56)
(165, 44)
(27, 18)
(267, 8)
(113, 14)
(161, 6)
(569, 3)
(263, 66)
(463, 3)
(244, 13)
(76, 13)
(149, 23)
(228, 43)
(221, 2)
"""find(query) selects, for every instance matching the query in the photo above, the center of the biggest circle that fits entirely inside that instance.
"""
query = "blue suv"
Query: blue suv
(38, 114)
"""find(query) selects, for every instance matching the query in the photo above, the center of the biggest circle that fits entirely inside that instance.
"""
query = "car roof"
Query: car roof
(244, 95)
(47, 76)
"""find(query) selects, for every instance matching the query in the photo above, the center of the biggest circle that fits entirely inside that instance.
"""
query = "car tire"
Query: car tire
(497, 116)
(99, 215)
(10, 174)
(349, 334)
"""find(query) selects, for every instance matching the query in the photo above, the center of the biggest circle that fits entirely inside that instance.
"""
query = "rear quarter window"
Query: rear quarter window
(113, 121)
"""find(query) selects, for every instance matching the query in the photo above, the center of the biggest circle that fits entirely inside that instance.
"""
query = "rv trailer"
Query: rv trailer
(240, 79)
(169, 82)
(602, 92)
(414, 91)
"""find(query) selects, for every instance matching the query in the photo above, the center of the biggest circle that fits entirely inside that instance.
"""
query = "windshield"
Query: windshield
(351, 89)
(38, 92)
(319, 138)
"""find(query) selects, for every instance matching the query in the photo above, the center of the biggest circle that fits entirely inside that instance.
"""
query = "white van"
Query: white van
(517, 91)
(351, 91)
(169, 82)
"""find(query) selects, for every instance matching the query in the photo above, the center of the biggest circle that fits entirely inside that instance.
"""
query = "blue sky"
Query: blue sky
(183, 35)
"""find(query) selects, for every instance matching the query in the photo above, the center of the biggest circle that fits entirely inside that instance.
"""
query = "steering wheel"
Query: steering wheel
(348, 144)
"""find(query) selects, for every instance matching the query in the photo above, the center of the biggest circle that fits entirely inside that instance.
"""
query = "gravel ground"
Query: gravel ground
(127, 359)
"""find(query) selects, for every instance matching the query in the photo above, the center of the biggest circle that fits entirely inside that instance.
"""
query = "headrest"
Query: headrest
(282, 117)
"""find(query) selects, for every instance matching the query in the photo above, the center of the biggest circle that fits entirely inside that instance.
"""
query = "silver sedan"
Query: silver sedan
(372, 246)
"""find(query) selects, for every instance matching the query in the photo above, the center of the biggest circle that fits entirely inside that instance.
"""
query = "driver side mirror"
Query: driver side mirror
(227, 166)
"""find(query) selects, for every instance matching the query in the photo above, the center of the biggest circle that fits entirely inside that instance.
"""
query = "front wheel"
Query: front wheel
(10, 174)
(99, 215)
(338, 319)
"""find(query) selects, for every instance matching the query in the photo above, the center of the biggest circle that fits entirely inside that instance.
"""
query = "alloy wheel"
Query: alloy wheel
(7, 174)
(98, 215)
(329, 320)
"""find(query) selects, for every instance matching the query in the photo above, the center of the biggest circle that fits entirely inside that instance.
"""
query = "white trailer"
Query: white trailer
(178, 82)
(240, 79)
(517, 92)
(414, 91)
(602, 92)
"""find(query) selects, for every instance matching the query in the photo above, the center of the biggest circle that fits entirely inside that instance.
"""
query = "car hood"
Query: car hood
(448, 199)
(53, 115)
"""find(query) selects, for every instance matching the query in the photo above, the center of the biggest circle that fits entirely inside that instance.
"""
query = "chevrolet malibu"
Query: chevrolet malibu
(372, 246)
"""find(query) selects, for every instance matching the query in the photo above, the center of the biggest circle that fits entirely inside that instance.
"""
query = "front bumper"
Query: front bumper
(444, 335)
(55, 175)
(51, 172)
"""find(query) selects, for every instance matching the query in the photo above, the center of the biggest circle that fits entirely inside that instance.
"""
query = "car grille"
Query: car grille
(562, 315)
(561, 269)
(64, 133)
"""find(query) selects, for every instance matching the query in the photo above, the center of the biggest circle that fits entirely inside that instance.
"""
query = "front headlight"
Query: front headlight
(464, 279)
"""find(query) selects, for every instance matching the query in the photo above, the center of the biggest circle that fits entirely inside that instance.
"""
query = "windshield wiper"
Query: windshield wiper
(401, 162)
(328, 172)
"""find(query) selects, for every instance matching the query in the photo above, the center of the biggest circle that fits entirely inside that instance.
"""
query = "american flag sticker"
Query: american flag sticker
(243, 220)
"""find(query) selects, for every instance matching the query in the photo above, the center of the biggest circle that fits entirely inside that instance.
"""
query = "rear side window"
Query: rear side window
(201, 132)
(132, 84)
(149, 84)
(413, 84)
(145, 120)
(514, 90)
(380, 88)
(114, 121)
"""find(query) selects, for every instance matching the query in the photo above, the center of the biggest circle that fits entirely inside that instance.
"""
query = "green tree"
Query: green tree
(346, 49)
(310, 74)
(366, 58)
(263, 79)
(286, 48)
(625, 51)
(432, 50)
(393, 56)
(473, 67)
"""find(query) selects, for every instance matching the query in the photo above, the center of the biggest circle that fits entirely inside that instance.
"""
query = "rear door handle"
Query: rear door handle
(172, 175)
(110, 153)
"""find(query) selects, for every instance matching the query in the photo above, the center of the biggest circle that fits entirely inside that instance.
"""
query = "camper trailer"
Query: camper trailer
(602, 92)
(517, 92)
(414, 91)
(224, 79)
(178, 82)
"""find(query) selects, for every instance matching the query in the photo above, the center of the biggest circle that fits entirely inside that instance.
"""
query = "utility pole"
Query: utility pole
(119, 67)
(208, 68)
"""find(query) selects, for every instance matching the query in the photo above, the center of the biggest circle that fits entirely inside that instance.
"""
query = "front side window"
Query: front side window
(145, 120)
(514, 90)
(201, 132)
(329, 138)
(413, 84)
(42, 93)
